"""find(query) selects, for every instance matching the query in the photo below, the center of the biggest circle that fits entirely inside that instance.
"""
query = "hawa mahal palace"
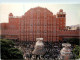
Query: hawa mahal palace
(37, 22)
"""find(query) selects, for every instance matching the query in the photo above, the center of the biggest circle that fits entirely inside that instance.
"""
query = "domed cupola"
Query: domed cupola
(61, 10)
(10, 15)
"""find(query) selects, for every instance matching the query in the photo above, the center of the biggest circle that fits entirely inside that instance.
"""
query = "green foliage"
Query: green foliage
(8, 51)
(76, 51)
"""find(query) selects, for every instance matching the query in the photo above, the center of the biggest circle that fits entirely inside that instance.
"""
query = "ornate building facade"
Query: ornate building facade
(37, 23)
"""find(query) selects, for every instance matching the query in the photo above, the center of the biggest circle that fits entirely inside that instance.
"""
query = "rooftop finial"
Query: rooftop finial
(61, 10)
(10, 14)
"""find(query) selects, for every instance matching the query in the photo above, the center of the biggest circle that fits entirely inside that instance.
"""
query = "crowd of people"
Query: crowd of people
(52, 50)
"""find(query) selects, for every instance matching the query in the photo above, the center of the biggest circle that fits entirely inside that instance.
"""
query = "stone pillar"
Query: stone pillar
(39, 47)
(65, 51)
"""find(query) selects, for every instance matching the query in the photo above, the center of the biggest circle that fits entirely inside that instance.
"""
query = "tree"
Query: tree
(76, 51)
(8, 51)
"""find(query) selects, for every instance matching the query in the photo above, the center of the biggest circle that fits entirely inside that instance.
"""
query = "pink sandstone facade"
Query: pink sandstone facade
(37, 23)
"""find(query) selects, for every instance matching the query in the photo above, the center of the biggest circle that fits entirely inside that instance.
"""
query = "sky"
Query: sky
(41, 1)
(19, 8)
